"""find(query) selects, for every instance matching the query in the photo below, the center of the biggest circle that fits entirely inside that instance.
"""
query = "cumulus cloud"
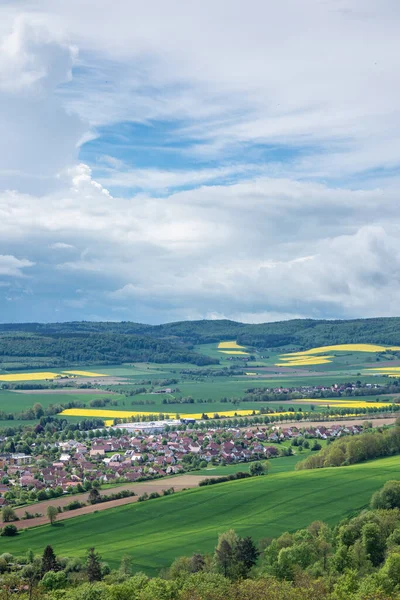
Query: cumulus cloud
(11, 266)
(287, 117)
(39, 136)
(266, 247)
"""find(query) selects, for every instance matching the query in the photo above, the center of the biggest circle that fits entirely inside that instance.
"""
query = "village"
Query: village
(148, 452)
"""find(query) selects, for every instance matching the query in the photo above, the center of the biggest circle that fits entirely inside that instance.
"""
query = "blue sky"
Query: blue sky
(177, 161)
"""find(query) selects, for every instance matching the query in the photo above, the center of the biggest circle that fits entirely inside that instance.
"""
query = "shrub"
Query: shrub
(9, 531)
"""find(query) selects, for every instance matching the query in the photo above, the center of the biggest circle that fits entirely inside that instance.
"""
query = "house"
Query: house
(97, 451)
(18, 458)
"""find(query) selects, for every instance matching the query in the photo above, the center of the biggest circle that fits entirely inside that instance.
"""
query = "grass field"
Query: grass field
(276, 465)
(350, 363)
(153, 533)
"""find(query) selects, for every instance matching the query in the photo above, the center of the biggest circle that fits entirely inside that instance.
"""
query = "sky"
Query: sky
(163, 161)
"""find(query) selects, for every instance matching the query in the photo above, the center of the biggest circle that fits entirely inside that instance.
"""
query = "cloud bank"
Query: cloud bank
(211, 162)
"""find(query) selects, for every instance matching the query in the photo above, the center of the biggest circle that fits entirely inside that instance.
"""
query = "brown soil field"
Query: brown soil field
(179, 483)
(375, 422)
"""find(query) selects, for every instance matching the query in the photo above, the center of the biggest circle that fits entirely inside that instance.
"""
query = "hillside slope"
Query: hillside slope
(111, 343)
(157, 531)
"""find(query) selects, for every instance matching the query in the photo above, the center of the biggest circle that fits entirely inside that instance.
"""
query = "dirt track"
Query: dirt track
(179, 483)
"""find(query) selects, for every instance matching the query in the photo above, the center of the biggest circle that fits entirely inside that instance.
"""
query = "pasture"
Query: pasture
(155, 532)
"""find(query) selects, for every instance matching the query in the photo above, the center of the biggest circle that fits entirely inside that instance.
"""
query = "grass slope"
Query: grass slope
(157, 531)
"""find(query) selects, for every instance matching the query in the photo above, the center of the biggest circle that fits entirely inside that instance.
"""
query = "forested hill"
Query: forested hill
(110, 342)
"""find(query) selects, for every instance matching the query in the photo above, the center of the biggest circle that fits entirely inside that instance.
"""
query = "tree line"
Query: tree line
(350, 450)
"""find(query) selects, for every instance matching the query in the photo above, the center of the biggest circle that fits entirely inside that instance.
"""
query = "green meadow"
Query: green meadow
(155, 532)
(207, 388)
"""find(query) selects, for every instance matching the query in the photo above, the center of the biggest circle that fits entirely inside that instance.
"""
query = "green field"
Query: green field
(276, 465)
(204, 385)
(157, 531)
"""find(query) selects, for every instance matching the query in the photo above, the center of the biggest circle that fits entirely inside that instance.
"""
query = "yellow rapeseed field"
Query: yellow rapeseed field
(303, 362)
(384, 369)
(28, 376)
(389, 371)
(232, 352)
(85, 373)
(344, 348)
(344, 403)
(232, 344)
(250, 374)
(107, 414)
(126, 414)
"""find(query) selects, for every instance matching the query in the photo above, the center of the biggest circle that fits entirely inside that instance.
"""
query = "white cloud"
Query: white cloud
(39, 138)
(266, 247)
(163, 179)
(11, 266)
(256, 238)
(61, 246)
(297, 74)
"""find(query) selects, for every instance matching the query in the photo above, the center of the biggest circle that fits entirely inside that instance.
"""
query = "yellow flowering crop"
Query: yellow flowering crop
(233, 345)
(125, 414)
(345, 403)
(303, 362)
(345, 348)
(232, 352)
(28, 376)
(85, 373)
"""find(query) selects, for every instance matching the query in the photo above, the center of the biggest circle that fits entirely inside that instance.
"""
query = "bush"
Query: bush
(73, 505)
(9, 531)
(233, 477)
(388, 497)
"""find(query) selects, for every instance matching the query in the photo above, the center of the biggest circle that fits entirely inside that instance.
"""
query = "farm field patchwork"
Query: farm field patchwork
(154, 533)
(128, 389)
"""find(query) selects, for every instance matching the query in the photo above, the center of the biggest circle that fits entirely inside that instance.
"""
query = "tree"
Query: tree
(49, 560)
(197, 562)
(52, 513)
(8, 514)
(126, 565)
(316, 446)
(38, 410)
(94, 496)
(93, 566)
(391, 569)
(373, 542)
(257, 468)
(54, 581)
(246, 555)
(9, 531)
(388, 497)
(224, 556)
(31, 575)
